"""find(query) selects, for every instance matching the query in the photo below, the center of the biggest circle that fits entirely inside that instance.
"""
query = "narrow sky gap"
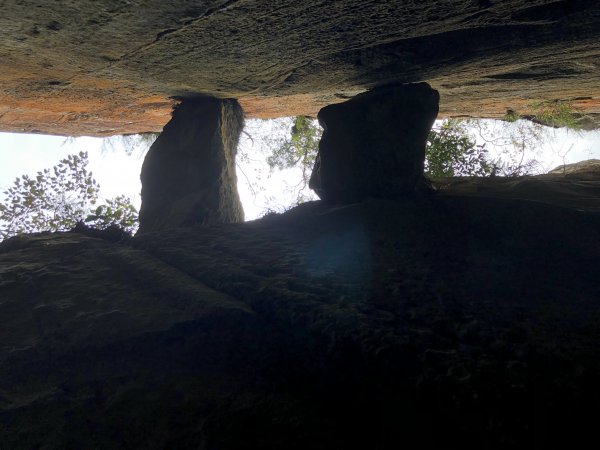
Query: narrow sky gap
(118, 173)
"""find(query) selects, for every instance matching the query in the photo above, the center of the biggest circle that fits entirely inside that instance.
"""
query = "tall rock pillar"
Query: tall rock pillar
(373, 145)
(188, 176)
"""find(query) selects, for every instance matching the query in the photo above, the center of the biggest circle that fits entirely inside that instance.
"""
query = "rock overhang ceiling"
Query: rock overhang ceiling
(113, 67)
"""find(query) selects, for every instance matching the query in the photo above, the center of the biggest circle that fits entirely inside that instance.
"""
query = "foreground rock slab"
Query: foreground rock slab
(447, 321)
(188, 176)
(374, 144)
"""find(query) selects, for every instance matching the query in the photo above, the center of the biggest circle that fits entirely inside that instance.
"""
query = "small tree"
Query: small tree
(299, 149)
(452, 151)
(550, 113)
(118, 211)
(287, 143)
(454, 148)
(57, 199)
(463, 147)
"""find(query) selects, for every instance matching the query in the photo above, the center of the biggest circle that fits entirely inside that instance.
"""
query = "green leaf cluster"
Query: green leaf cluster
(56, 199)
(452, 151)
(292, 143)
(550, 113)
(511, 116)
(118, 211)
(556, 114)
(300, 148)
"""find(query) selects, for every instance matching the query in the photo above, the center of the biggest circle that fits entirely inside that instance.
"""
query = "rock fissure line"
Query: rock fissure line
(164, 273)
(161, 35)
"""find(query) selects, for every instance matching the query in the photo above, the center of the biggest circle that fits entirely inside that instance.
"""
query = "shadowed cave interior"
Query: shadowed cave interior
(395, 311)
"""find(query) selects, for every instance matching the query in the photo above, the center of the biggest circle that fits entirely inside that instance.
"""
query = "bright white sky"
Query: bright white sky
(560, 145)
(118, 173)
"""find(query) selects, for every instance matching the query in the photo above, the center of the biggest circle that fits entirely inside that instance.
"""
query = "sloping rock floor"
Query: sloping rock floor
(443, 321)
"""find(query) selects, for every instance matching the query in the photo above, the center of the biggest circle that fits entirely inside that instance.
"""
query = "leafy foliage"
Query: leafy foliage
(511, 116)
(557, 114)
(289, 146)
(551, 113)
(57, 199)
(299, 148)
(117, 211)
(485, 148)
(466, 147)
(452, 151)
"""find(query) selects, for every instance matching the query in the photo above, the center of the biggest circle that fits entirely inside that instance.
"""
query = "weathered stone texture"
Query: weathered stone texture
(111, 67)
(325, 328)
(578, 168)
(374, 144)
(188, 176)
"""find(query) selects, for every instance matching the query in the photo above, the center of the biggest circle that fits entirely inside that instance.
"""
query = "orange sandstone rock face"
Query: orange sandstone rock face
(114, 67)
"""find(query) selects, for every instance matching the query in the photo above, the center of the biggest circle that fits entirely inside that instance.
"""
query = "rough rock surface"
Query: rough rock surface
(374, 144)
(575, 186)
(111, 67)
(588, 166)
(440, 321)
(188, 176)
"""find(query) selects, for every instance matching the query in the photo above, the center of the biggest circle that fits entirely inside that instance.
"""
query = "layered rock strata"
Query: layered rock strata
(188, 176)
(111, 67)
(374, 144)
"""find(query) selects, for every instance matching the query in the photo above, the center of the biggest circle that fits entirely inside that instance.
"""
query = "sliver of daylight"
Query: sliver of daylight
(116, 163)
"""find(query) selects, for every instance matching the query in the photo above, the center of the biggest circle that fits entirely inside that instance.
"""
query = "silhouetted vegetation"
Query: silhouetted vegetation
(455, 147)
(58, 198)
(452, 151)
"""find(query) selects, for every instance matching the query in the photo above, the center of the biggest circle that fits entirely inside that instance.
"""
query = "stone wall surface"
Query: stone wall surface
(464, 320)
(374, 144)
(114, 67)
(188, 176)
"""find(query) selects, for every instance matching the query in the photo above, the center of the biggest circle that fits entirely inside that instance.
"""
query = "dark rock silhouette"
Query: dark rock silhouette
(464, 320)
(188, 176)
(374, 144)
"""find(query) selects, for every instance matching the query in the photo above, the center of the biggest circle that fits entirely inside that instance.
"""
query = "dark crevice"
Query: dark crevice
(556, 11)
(162, 34)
